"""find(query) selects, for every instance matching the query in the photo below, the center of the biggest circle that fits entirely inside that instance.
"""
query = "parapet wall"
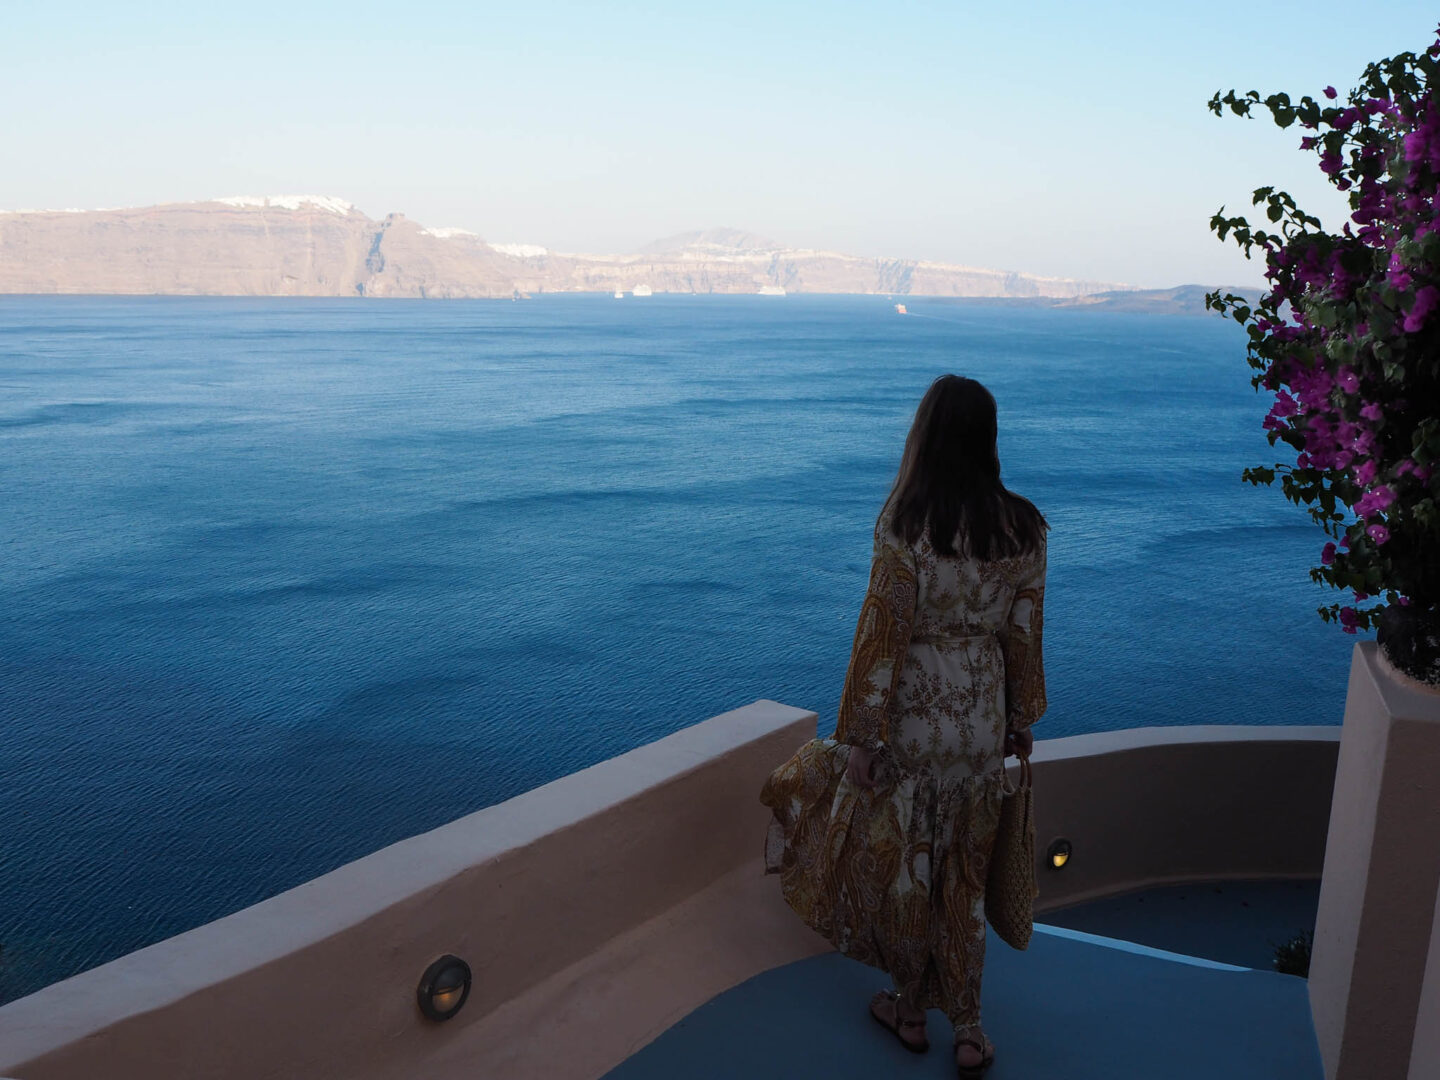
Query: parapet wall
(320, 981)
(1154, 806)
(599, 909)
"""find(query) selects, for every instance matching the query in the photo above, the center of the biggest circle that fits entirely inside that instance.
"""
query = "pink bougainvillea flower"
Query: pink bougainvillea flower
(1416, 146)
(1340, 336)
(1425, 301)
(1374, 501)
(1312, 388)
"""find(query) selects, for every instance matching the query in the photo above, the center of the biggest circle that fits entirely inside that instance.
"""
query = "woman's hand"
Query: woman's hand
(862, 764)
(1019, 743)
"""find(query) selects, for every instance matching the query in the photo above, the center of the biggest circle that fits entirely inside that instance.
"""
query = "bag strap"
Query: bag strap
(1026, 777)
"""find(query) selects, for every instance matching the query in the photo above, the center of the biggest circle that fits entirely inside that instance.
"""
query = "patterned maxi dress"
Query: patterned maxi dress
(947, 652)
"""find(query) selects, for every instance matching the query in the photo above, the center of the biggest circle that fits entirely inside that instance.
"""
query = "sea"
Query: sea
(285, 581)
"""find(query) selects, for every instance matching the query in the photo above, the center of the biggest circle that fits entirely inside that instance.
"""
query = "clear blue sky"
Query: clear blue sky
(1054, 138)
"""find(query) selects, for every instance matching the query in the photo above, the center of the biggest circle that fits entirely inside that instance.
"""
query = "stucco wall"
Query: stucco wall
(1373, 931)
(1150, 806)
(320, 980)
(1425, 1050)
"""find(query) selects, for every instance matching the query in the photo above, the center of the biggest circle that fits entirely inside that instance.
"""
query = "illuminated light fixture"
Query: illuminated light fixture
(1059, 853)
(444, 988)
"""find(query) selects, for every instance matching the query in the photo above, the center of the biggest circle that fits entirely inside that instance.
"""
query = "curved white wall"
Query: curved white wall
(1151, 806)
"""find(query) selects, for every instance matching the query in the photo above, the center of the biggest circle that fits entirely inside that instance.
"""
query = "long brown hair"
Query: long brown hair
(949, 480)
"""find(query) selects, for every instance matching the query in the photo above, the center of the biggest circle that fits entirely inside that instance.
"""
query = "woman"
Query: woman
(882, 834)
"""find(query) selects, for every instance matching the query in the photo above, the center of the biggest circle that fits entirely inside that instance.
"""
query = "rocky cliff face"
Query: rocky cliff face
(322, 246)
(279, 247)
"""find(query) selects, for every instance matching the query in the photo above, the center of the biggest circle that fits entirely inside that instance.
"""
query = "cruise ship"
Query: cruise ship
(772, 290)
(643, 290)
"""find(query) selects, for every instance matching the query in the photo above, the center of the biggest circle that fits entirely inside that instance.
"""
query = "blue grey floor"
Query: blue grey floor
(1065, 1009)
(1234, 922)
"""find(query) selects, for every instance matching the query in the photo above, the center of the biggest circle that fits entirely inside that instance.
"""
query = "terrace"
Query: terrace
(1073, 1005)
(618, 924)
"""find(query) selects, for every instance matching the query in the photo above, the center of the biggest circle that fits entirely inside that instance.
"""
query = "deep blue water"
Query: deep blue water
(286, 581)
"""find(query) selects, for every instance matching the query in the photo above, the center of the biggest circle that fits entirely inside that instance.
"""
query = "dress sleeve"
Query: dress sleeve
(1024, 665)
(882, 635)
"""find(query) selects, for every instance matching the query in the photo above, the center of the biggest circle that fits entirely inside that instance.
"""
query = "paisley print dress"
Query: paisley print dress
(947, 653)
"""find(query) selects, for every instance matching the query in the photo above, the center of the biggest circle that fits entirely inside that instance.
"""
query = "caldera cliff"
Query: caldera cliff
(323, 246)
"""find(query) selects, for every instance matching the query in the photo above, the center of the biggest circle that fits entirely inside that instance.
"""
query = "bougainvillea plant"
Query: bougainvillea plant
(1347, 337)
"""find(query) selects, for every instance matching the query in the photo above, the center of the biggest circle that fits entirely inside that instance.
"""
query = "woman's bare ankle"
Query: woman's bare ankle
(907, 1011)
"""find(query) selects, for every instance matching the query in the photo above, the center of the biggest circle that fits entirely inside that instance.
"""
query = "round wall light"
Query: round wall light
(1059, 853)
(444, 988)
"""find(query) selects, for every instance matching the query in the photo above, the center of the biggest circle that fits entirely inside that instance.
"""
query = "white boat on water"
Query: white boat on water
(619, 294)
(772, 290)
(643, 290)
(900, 309)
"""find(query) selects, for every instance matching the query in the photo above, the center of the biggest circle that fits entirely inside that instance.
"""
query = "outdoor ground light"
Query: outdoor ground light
(444, 988)
(1059, 853)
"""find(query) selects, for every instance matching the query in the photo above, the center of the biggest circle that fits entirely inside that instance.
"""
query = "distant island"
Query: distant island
(1180, 300)
(310, 245)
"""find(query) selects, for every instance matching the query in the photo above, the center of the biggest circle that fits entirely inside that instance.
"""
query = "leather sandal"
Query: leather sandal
(971, 1035)
(894, 1029)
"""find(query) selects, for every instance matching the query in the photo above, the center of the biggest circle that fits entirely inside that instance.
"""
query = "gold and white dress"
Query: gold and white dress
(946, 654)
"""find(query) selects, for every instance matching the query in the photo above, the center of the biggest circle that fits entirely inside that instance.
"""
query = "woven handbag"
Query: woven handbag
(1010, 883)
